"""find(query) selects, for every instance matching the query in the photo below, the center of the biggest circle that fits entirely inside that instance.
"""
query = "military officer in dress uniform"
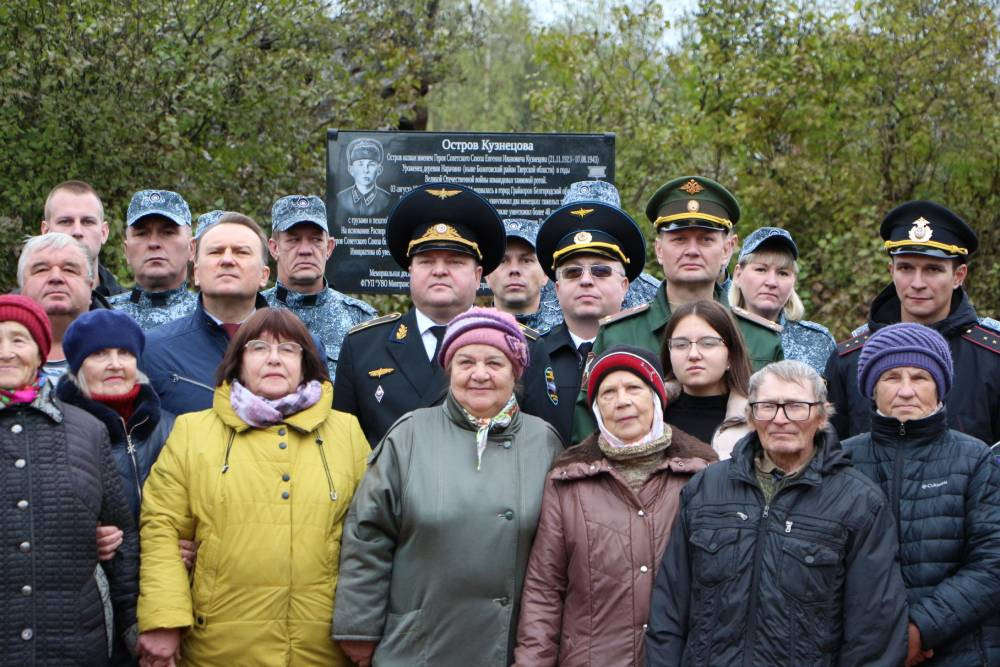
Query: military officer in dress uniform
(364, 163)
(694, 218)
(301, 245)
(929, 247)
(446, 236)
(592, 251)
(157, 249)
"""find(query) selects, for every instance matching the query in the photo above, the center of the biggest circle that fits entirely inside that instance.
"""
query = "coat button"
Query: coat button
(286, 495)
(643, 568)
(22, 504)
(504, 601)
(282, 431)
(24, 547)
(20, 463)
(642, 513)
(506, 445)
(809, 559)
(713, 546)
(282, 445)
(285, 477)
(644, 626)
(27, 634)
(509, 515)
(200, 620)
(16, 428)
(25, 590)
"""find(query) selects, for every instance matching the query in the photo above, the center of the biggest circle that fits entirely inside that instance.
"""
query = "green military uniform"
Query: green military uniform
(689, 201)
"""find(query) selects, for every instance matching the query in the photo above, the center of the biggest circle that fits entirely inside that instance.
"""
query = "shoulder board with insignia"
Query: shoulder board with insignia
(624, 314)
(983, 337)
(391, 317)
(852, 344)
(529, 333)
(756, 319)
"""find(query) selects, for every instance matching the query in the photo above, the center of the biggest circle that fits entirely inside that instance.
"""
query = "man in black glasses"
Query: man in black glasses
(592, 250)
(783, 554)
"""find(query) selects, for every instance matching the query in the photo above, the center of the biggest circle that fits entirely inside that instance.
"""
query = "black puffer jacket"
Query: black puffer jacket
(811, 579)
(57, 481)
(944, 487)
(973, 408)
(136, 447)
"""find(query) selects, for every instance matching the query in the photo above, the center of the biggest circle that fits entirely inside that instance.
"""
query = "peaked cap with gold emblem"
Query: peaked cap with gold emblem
(927, 228)
(692, 201)
(445, 216)
(592, 227)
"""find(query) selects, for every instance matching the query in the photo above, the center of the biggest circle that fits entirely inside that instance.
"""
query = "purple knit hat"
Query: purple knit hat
(905, 344)
(486, 326)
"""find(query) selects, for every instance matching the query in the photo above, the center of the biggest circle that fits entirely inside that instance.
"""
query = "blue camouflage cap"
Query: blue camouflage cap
(293, 209)
(601, 191)
(771, 236)
(206, 220)
(158, 202)
(521, 228)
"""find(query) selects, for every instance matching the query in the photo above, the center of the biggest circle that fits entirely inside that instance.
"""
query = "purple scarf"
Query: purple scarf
(262, 412)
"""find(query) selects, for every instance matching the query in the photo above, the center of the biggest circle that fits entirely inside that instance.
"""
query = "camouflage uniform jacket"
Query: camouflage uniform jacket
(151, 309)
(328, 315)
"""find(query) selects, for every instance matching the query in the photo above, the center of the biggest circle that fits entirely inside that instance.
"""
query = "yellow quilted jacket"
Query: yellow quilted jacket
(268, 515)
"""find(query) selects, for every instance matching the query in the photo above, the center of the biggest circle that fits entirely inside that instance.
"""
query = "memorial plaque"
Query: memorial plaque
(522, 175)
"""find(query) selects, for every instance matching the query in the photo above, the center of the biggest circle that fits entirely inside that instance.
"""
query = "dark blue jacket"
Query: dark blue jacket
(944, 489)
(136, 447)
(181, 358)
(810, 579)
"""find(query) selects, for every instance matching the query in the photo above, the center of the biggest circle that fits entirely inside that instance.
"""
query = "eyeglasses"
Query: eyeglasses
(575, 271)
(704, 343)
(261, 348)
(796, 411)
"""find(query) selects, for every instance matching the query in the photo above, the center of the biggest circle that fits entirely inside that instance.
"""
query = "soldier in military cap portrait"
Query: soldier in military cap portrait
(518, 283)
(301, 245)
(694, 219)
(929, 248)
(364, 163)
(157, 249)
(592, 251)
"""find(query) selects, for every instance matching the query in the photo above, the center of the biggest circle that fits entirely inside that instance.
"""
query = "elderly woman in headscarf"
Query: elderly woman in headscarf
(437, 540)
(58, 480)
(608, 508)
(262, 481)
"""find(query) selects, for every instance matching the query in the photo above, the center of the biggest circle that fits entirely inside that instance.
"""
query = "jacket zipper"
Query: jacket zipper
(897, 482)
(175, 378)
(130, 448)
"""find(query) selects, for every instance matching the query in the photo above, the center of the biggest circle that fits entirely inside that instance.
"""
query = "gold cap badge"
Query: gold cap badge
(582, 212)
(582, 237)
(692, 187)
(442, 193)
(921, 231)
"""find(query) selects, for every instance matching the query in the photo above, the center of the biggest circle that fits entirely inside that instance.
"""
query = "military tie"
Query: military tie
(584, 350)
(436, 370)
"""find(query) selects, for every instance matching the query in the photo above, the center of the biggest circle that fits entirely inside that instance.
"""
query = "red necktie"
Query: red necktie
(230, 329)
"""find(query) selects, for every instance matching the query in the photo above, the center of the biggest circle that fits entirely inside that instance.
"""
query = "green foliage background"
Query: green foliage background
(820, 116)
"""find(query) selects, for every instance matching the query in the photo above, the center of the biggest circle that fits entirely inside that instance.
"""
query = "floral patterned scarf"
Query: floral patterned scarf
(26, 394)
(484, 425)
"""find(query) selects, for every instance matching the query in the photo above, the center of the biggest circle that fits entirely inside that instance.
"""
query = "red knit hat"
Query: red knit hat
(21, 309)
(640, 362)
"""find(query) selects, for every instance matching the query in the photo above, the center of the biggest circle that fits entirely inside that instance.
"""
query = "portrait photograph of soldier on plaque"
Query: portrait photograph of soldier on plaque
(364, 163)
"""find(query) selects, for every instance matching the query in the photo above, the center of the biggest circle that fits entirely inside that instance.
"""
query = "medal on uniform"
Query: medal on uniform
(379, 372)
(550, 386)
(379, 393)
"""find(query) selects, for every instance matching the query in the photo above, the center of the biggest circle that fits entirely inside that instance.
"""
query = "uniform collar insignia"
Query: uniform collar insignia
(401, 332)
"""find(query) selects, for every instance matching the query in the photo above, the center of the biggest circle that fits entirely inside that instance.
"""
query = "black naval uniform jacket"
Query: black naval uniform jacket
(974, 400)
(383, 373)
(556, 379)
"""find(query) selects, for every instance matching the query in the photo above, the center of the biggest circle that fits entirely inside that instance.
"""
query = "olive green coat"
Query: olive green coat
(643, 327)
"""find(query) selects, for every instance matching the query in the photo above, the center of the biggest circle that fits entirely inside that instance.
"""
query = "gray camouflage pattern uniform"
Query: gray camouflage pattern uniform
(151, 309)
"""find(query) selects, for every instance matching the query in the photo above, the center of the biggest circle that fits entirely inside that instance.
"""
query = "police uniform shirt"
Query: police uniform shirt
(151, 309)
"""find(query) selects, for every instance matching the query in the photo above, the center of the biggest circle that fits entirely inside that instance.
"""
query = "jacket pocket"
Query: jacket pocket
(714, 554)
(809, 572)
(403, 640)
